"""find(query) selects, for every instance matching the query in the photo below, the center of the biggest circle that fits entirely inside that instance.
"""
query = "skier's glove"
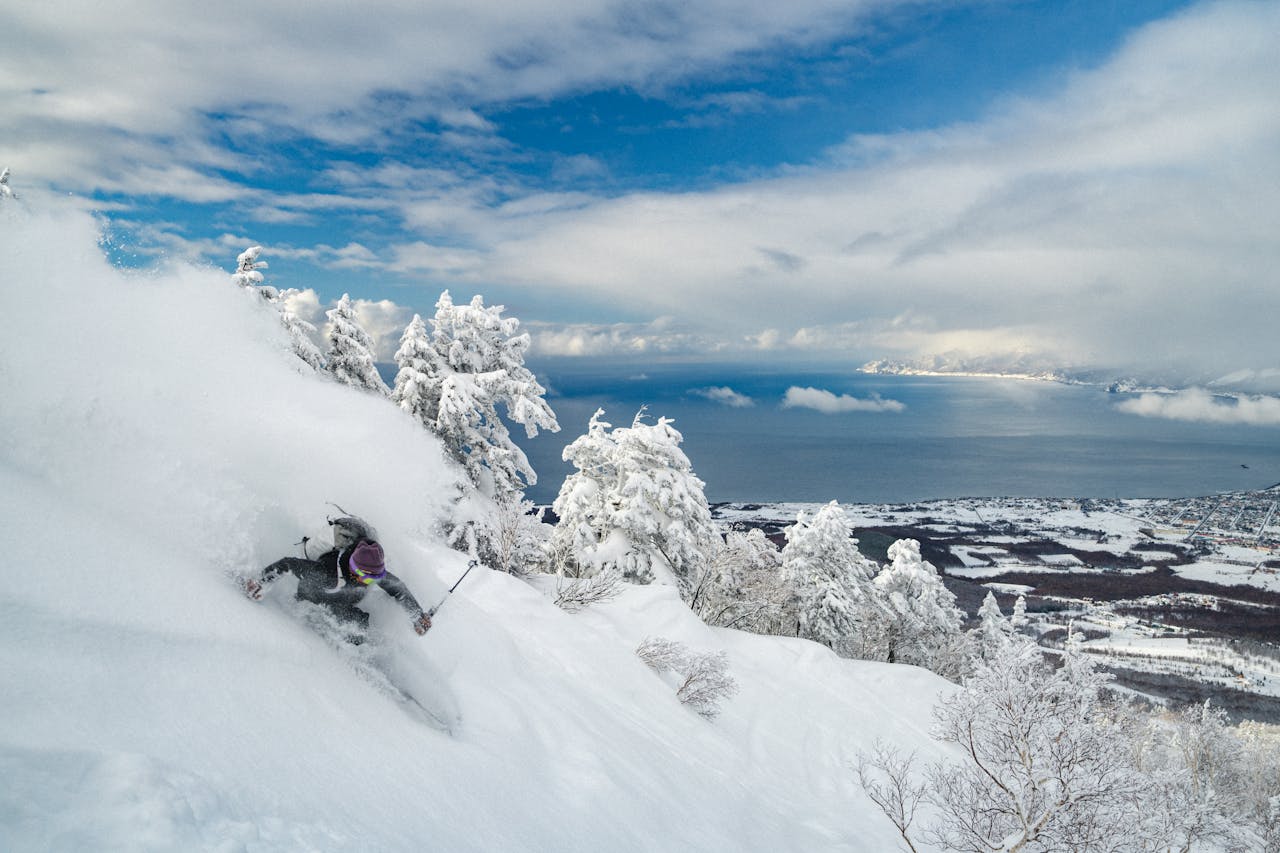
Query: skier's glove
(253, 589)
(422, 624)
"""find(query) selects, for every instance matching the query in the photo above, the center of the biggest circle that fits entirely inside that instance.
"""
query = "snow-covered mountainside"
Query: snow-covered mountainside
(157, 436)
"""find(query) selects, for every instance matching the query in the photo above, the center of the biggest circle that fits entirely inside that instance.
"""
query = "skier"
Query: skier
(339, 580)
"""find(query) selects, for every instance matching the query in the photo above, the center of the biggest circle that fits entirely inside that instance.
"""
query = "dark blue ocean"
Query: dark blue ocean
(956, 437)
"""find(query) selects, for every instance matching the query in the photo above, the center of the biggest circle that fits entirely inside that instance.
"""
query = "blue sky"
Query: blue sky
(1079, 183)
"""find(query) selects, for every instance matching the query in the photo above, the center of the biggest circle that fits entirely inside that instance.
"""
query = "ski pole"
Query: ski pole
(470, 565)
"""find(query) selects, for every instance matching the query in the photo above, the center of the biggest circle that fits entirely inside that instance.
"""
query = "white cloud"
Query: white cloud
(95, 93)
(828, 403)
(1124, 218)
(724, 395)
(1197, 404)
(659, 337)
(1121, 216)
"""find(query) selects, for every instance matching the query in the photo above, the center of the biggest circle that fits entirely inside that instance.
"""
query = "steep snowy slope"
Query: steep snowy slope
(155, 435)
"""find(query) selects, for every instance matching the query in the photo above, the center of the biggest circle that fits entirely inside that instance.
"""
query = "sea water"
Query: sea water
(953, 437)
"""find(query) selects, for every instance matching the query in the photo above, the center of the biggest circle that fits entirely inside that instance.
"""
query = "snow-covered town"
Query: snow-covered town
(1179, 597)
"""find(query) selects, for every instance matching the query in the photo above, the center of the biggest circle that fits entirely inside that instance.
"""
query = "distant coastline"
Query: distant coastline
(889, 367)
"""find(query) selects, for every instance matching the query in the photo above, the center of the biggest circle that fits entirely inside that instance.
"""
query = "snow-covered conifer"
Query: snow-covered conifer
(350, 358)
(914, 619)
(301, 332)
(583, 504)
(828, 578)
(6, 191)
(248, 268)
(417, 382)
(1018, 619)
(479, 365)
(993, 629)
(633, 503)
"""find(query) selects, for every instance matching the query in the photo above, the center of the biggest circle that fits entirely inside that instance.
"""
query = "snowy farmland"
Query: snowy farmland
(1179, 597)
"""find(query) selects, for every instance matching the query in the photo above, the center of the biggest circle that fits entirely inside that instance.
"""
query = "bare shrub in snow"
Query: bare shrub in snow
(574, 594)
(513, 538)
(704, 677)
(707, 682)
(889, 780)
(663, 655)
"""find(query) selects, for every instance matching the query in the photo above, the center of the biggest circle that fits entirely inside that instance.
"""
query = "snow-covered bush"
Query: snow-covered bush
(1202, 790)
(1045, 767)
(513, 538)
(741, 585)
(350, 359)
(707, 683)
(704, 680)
(633, 503)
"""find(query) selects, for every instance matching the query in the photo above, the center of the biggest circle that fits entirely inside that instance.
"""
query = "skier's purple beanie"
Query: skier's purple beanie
(367, 561)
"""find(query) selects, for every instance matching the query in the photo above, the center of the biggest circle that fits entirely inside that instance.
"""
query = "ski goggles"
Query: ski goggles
(367, 578)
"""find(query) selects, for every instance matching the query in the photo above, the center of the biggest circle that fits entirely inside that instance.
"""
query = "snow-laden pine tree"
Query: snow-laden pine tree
(583, 506)
(249, 269)
(828, 579)
(478, 366)
(248, 275)
(301, 332)
(914, 619)
(416, 389)
(633, 503)
(6, 191)
(350, 357)
(1018, 618)
(993, 629)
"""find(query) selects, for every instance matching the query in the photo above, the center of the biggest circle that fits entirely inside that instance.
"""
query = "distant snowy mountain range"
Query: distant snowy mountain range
(1026, 366)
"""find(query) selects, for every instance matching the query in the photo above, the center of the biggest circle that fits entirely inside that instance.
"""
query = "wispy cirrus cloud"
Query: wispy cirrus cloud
(829, 403)
(1197, 404)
